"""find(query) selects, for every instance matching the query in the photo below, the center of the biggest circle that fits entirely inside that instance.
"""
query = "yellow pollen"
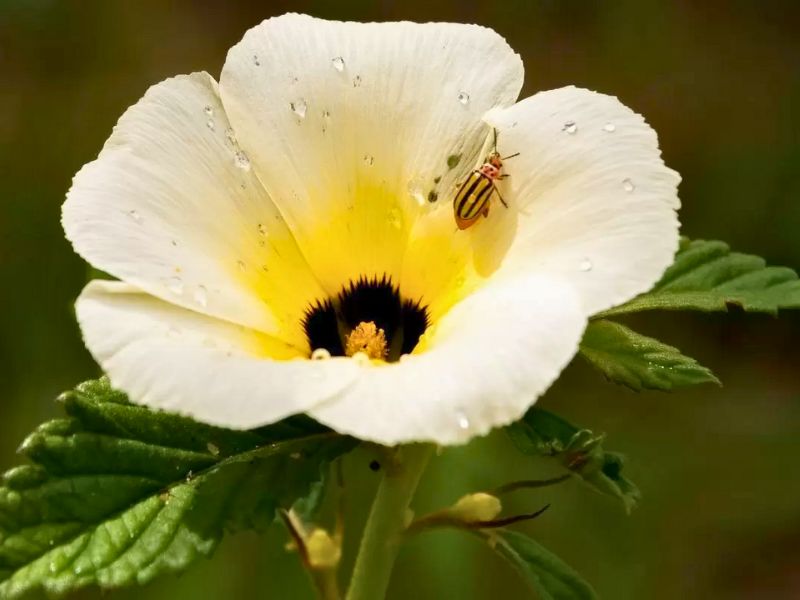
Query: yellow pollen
(368, 339)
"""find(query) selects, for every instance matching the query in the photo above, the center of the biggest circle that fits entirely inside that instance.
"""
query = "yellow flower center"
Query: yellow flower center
(367, 339)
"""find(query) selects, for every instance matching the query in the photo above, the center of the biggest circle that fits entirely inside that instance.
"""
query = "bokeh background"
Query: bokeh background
(720, 82)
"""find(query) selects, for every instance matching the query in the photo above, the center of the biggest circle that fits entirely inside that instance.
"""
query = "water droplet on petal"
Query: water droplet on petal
(627, 185)
(338, 63)
(396, 218)
(320, 354)
(210, 124)
(463, 421)
(242, 266)
(369, 160)
(570, 127)
(417, 190)
(230, 135)
(299, 108)
(241, 160)
(609, 127)
(361, 358)
(586, 265)
(175, 285)
(135, 216)
(357, 81)
(201, 296)
(463, 98)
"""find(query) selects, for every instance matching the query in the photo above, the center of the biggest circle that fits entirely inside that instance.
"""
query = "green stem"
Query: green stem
(386, 522)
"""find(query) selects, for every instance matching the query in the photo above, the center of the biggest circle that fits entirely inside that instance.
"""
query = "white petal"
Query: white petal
(485, 363)
(174, 359)
(170, 206)
(594, 201)
(350, 124)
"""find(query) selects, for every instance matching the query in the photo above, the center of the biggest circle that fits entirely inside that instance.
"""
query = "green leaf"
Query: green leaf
(579, 451)
(707, 276)
(638, 361)
(117, 494)
(547, 574)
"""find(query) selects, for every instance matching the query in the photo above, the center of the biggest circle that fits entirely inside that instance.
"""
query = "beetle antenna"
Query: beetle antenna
(510, 156)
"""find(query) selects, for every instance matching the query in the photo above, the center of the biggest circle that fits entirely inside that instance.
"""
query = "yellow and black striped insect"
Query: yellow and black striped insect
(473, 197)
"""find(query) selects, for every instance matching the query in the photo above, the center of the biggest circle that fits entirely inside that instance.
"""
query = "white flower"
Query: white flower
(310, 193)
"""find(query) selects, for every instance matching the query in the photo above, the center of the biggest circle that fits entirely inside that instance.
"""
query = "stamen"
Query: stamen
(367, 339)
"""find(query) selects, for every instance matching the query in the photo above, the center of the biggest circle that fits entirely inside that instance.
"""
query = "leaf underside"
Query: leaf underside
(547, 574)
(639, 362)
(580, 451)
(707, 276)
(117, 494)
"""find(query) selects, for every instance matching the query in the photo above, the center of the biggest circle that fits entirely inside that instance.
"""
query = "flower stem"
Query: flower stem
(386, 523)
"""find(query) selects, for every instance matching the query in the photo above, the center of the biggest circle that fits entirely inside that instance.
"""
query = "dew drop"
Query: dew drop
(241, 160)
(361, 358)
(209, 110)
(586, 265)
(417, 191)
(242, 266)
(570, 127)
(210, 124)
(135, 216)
(175, 285)
(338, 63)
(230, 135)
(463, 98)
(396, 218)
(609, 127)
(357, 81)
(320, 354)
(463, 421)
(201, 296)
(627, 185)
(369, 160)
(299, 108)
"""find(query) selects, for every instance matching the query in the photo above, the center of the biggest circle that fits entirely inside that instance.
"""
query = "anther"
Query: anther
(368, 339)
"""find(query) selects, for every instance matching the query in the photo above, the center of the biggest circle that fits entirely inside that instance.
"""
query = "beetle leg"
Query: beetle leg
(501, 197)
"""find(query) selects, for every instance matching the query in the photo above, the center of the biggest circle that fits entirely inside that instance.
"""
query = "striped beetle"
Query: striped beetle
(473, 196)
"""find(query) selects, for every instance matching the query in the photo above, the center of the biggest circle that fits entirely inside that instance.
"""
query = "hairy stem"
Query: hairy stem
(386, 523)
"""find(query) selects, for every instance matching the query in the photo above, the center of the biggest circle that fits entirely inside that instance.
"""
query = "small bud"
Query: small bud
(476, 508)
(323, 551)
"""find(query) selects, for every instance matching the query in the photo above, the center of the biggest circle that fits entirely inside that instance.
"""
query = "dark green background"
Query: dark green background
(720, 82)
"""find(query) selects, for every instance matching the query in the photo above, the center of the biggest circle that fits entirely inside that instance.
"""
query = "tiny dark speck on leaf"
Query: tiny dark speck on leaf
(375, 465)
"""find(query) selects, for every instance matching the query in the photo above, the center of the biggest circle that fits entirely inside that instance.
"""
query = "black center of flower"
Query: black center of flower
(330, 324)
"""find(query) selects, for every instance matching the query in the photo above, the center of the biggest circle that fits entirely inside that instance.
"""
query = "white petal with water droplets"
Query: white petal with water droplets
(398, 98)
(579, 214)
(485, 363)
(163, 177)
(178, 360)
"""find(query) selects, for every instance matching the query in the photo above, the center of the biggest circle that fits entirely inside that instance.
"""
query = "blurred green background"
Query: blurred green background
(720, 82)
